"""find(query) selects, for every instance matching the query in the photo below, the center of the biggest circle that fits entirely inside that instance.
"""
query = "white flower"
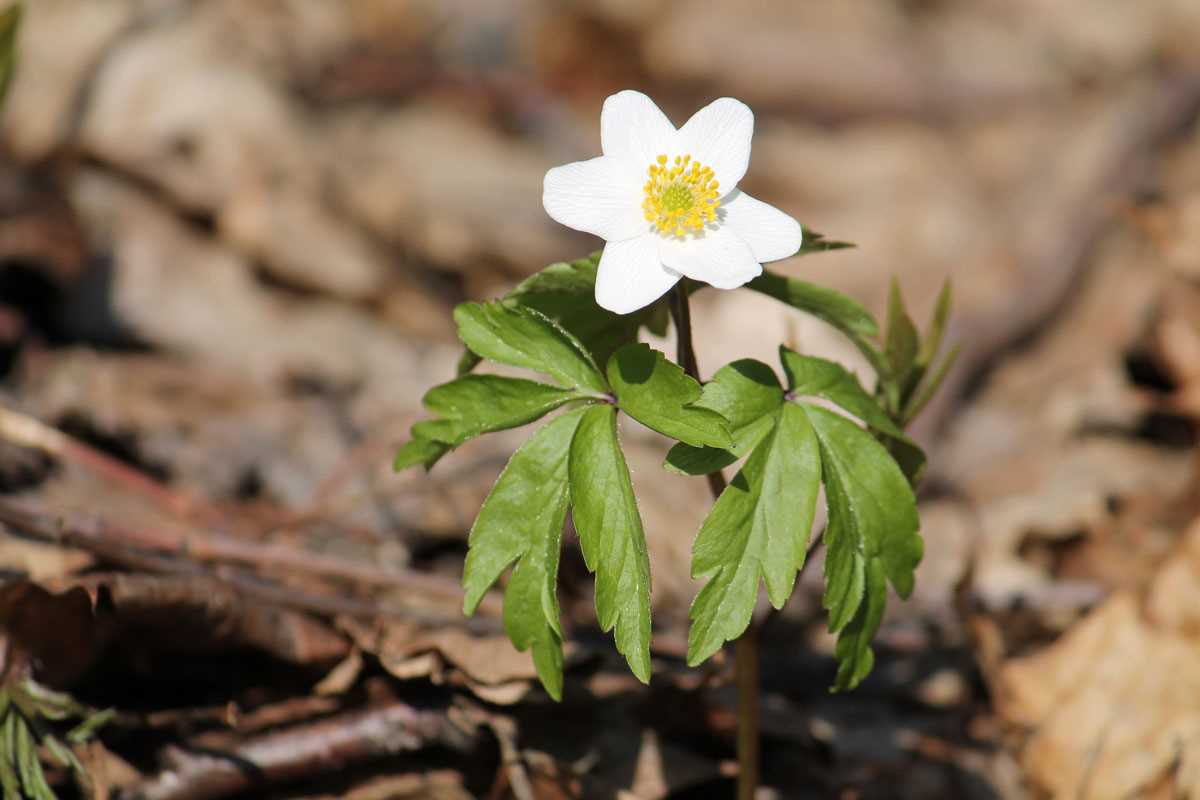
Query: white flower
(666, 201)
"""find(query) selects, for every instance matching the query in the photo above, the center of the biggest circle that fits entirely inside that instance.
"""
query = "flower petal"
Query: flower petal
(596, 196)
(631, 276)
(719, 258)
(771, 234)
(634, 130)
(718, 136)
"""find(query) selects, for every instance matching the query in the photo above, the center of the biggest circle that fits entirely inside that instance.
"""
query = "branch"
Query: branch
(327, 746)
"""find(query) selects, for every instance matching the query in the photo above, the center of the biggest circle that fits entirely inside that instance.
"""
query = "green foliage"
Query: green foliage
(521, 521)
(744, 392)
(817, 243)
(522, 337)
(611, 535)
(761, 524)
(760, 527)
(872, 526)
(26, 708)
(657, 393)
(565, 292)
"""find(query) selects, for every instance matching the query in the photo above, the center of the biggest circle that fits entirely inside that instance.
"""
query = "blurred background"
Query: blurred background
(231, 234)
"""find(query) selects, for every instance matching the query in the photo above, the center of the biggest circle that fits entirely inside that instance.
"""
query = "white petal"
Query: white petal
(634, 130)
(771, 234)
(718, 136)
(596, 196)
(631, 276)
(719, 258)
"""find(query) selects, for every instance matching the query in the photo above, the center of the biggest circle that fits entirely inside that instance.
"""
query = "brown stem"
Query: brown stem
(746, 647)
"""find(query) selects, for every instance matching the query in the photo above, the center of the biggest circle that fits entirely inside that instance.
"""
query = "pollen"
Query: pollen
(681, 197)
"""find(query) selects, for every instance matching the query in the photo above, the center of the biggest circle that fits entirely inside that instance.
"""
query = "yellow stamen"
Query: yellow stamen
(680, 198)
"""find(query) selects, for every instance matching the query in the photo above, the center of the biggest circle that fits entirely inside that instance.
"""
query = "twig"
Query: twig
(24, 430)
(95, 534)
(325, 746)
(115, 545)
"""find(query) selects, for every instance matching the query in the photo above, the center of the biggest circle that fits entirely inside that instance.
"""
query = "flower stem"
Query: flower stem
(746, 647)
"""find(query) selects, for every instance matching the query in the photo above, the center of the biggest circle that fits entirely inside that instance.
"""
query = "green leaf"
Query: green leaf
(816, 377)
(467, 362)
(902, 340)
(659, 394)
(817, 243)
(611, 535)
(522, 337)
(853, 651)
(922, 397)
(10, 24)
(418, 450)
(872, 515)
(932, 342)
(746, 393)
(566, 293)
(473, 405)
(759, 526)
(521, 521)
(478, 404)
(842, 312)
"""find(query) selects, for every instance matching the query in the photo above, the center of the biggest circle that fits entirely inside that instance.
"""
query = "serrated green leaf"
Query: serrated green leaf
(853, 651)
(746, 393)
(817, 377)
(872, 515)
(473, 405)
(902, 340)
(10, 25)
(759, 526)
(611, 536)
(521, 521)
(660, 395)
(522, 337)
(566, 293)
(839, 310)
(477, 404)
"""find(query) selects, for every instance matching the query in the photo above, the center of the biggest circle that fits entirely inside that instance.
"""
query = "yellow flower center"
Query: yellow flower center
(680, 197)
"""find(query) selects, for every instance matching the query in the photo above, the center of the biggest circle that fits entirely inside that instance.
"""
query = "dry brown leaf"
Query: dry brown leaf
(1113, 707)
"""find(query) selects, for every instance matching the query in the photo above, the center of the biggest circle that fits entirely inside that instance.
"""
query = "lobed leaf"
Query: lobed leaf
(816, 377)
(746, 393)
(477, 404)
(473, 405)
(521, 521)
(660, 395)
(872, 520)
(611, 535)
(522, 337)
(759, 526)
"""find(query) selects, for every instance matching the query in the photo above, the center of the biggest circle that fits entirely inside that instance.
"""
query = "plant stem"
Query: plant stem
(746, 652)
